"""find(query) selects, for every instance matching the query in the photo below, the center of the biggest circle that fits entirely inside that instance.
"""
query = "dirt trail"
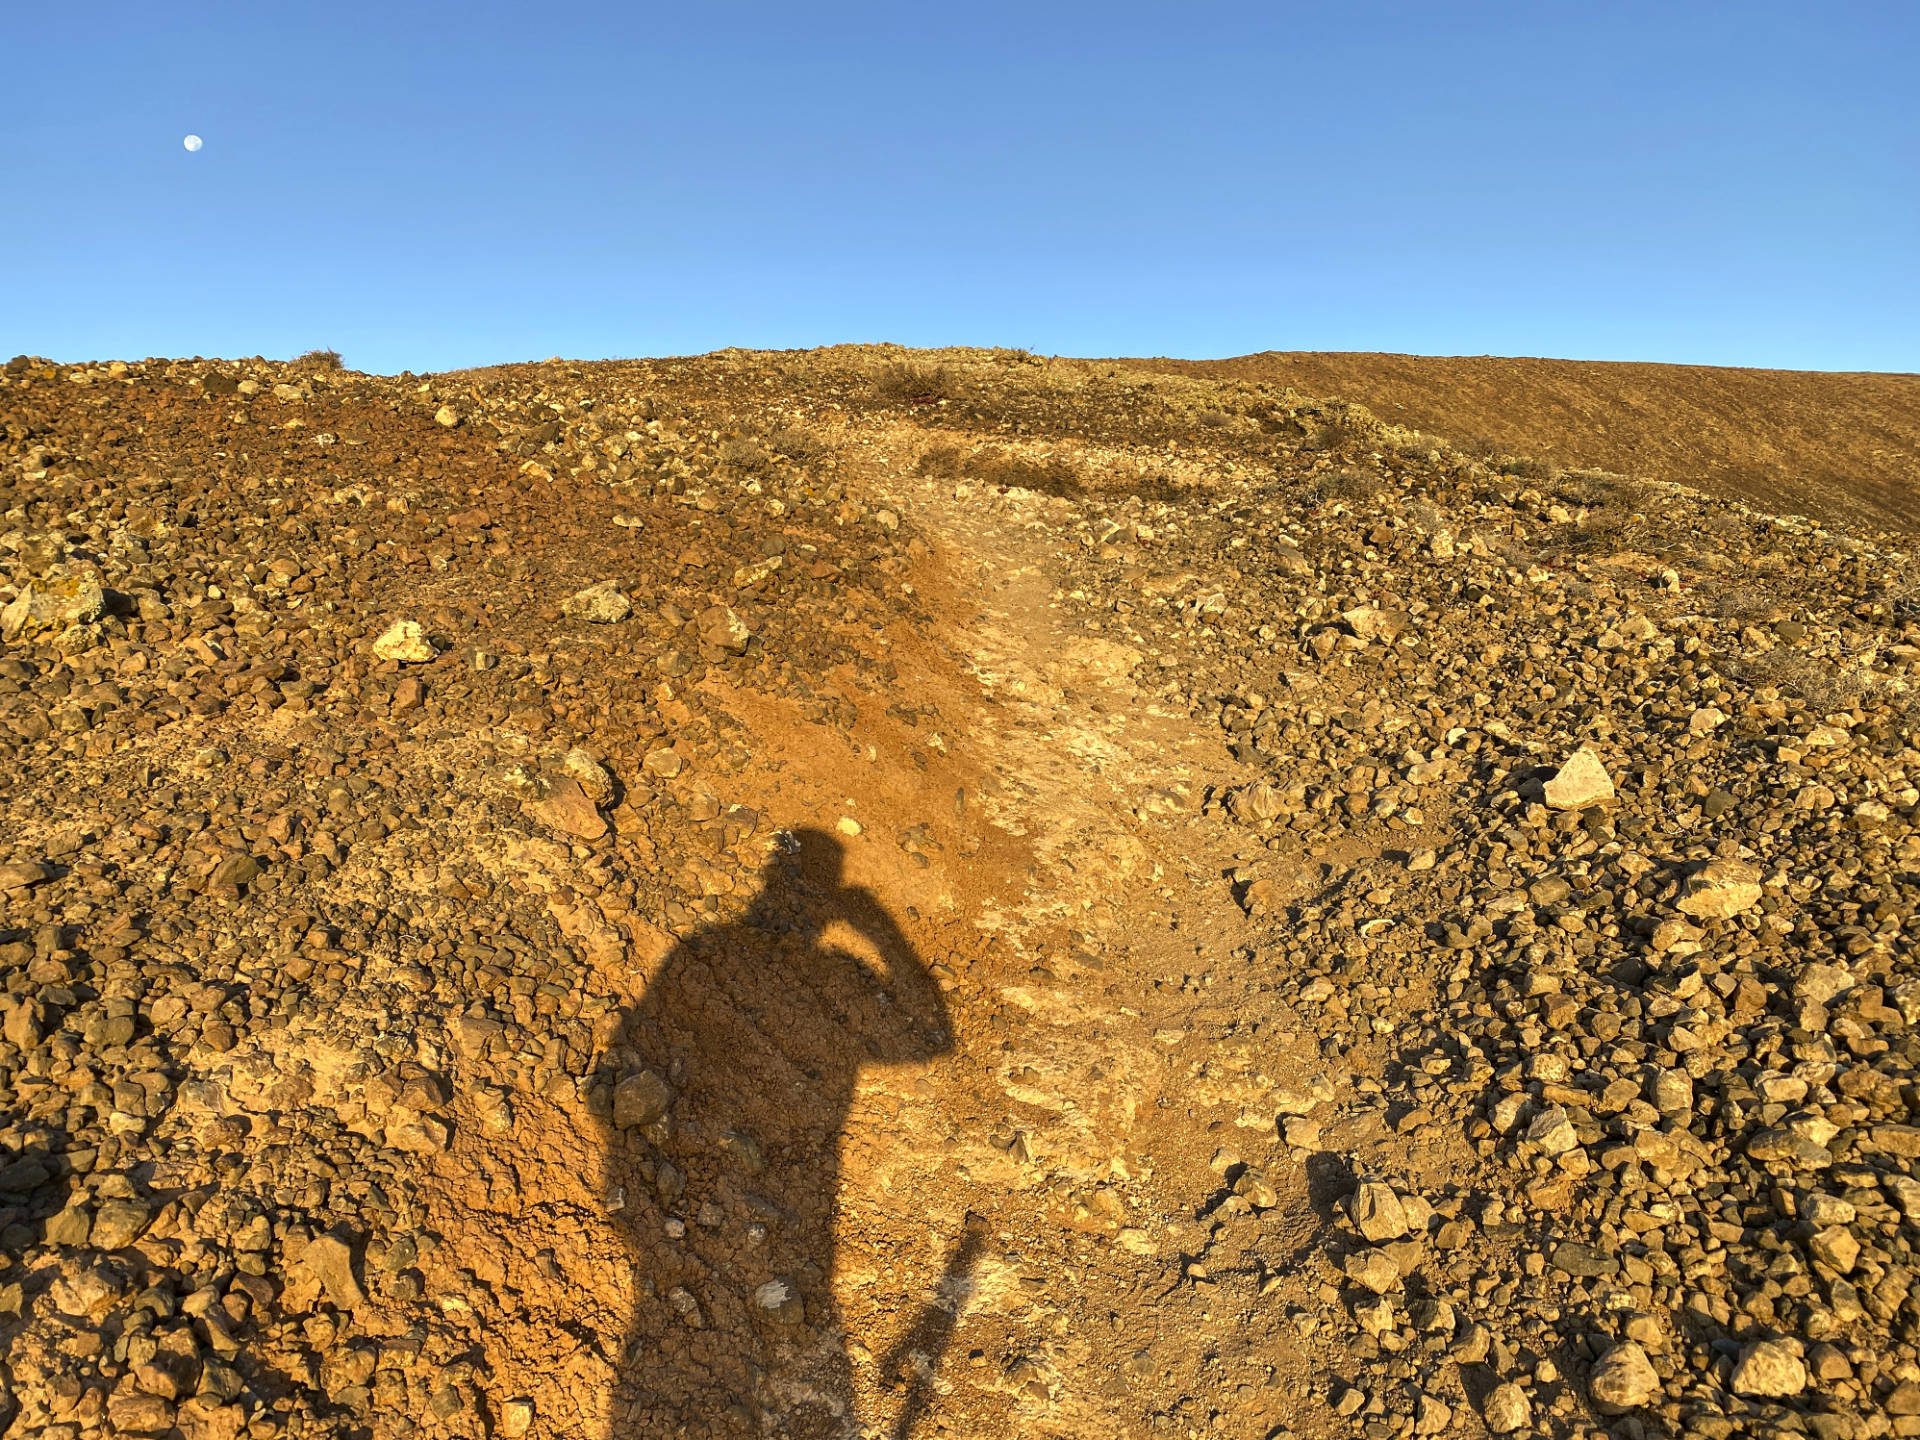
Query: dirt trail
(1089, 907)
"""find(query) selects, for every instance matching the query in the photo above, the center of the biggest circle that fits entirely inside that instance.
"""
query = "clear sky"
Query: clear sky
(425, 186)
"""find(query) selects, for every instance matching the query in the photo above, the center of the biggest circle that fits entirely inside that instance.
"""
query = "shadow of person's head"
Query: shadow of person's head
(842, 941)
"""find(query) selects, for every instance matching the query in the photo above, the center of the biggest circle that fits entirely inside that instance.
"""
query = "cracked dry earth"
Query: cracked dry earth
(855, 893)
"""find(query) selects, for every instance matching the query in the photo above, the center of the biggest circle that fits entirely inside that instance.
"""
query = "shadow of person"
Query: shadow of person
(731, 1082)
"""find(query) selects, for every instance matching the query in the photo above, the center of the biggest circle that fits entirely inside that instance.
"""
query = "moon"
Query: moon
(192, 142)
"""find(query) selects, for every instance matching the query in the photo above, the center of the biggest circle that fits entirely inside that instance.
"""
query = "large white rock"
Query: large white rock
(406, 642)
(1581, 781)
(602, 604)
(1721, 888)
(1623, 1380)
(1508, 1409)
(1769, 1368)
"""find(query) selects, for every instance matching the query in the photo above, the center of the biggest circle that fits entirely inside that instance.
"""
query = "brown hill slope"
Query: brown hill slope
(1837, 446)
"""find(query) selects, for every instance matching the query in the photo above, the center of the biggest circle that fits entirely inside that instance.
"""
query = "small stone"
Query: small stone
(236, 869)
(1258, 804)
(1551, 1132)
(330, 1261)
(1507, 1409)
(1623, 1379)
(1786, 1147)
(20, 874)
(1376, 1317)
(1835, 1248)
(446, 415)
(1820, 983)
(640, 1099)
(1377, 1213)
(133, 1413)
(1901, 1141)
(1768, 1368)
(70, 1227)
(1580, 782)
(415, 1134)
(1670, 1091)
(1431, 1416)
(1373, 1270)
(1471, 1345)
(721, 627)
(404, 641)
(516, 1418)
(568, 808)
(591, 775)
(1572, 1257)
(847, 825)
(118, 1223)
(780, 1299)
(1300, 1132)
(602, 604)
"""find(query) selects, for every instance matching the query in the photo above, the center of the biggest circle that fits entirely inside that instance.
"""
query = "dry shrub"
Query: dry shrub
(1745, 603)
(1050, 475)
(1350, 483)
(1514, 553)
(913, 383)
(1525, 467)
(743, 452)
(941, 462)
(1053, 475)
(328, 360)
(1902, 594)
(1598, 491)
(1343, 433)
(1821, 684)
(797, 443)
(1212, 419)
(1155, 489)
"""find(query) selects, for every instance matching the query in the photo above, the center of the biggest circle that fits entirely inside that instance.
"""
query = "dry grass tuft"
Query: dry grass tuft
(328, 360)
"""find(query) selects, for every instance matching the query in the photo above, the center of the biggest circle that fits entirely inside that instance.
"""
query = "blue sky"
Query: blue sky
(428, 186)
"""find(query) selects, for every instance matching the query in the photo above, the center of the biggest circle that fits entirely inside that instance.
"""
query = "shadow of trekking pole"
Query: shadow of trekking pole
(915, 1360)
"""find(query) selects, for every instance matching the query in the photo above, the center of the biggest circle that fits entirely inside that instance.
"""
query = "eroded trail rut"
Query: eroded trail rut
(836, 895)
(1003, 1208)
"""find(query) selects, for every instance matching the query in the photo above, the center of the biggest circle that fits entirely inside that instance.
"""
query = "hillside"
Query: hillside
(854, 893)
(1841, 447)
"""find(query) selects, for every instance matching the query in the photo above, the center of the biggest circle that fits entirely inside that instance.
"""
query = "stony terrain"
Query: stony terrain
(1838, 447)
(853, 893)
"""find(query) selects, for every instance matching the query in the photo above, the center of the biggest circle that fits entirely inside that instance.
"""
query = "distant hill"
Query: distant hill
(1842, 447)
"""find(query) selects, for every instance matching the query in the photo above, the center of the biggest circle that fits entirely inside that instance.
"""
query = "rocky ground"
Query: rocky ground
(850, 893)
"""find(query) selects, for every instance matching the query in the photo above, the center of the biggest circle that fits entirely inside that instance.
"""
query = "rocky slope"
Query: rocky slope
(853, 893)
(1841, 448)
